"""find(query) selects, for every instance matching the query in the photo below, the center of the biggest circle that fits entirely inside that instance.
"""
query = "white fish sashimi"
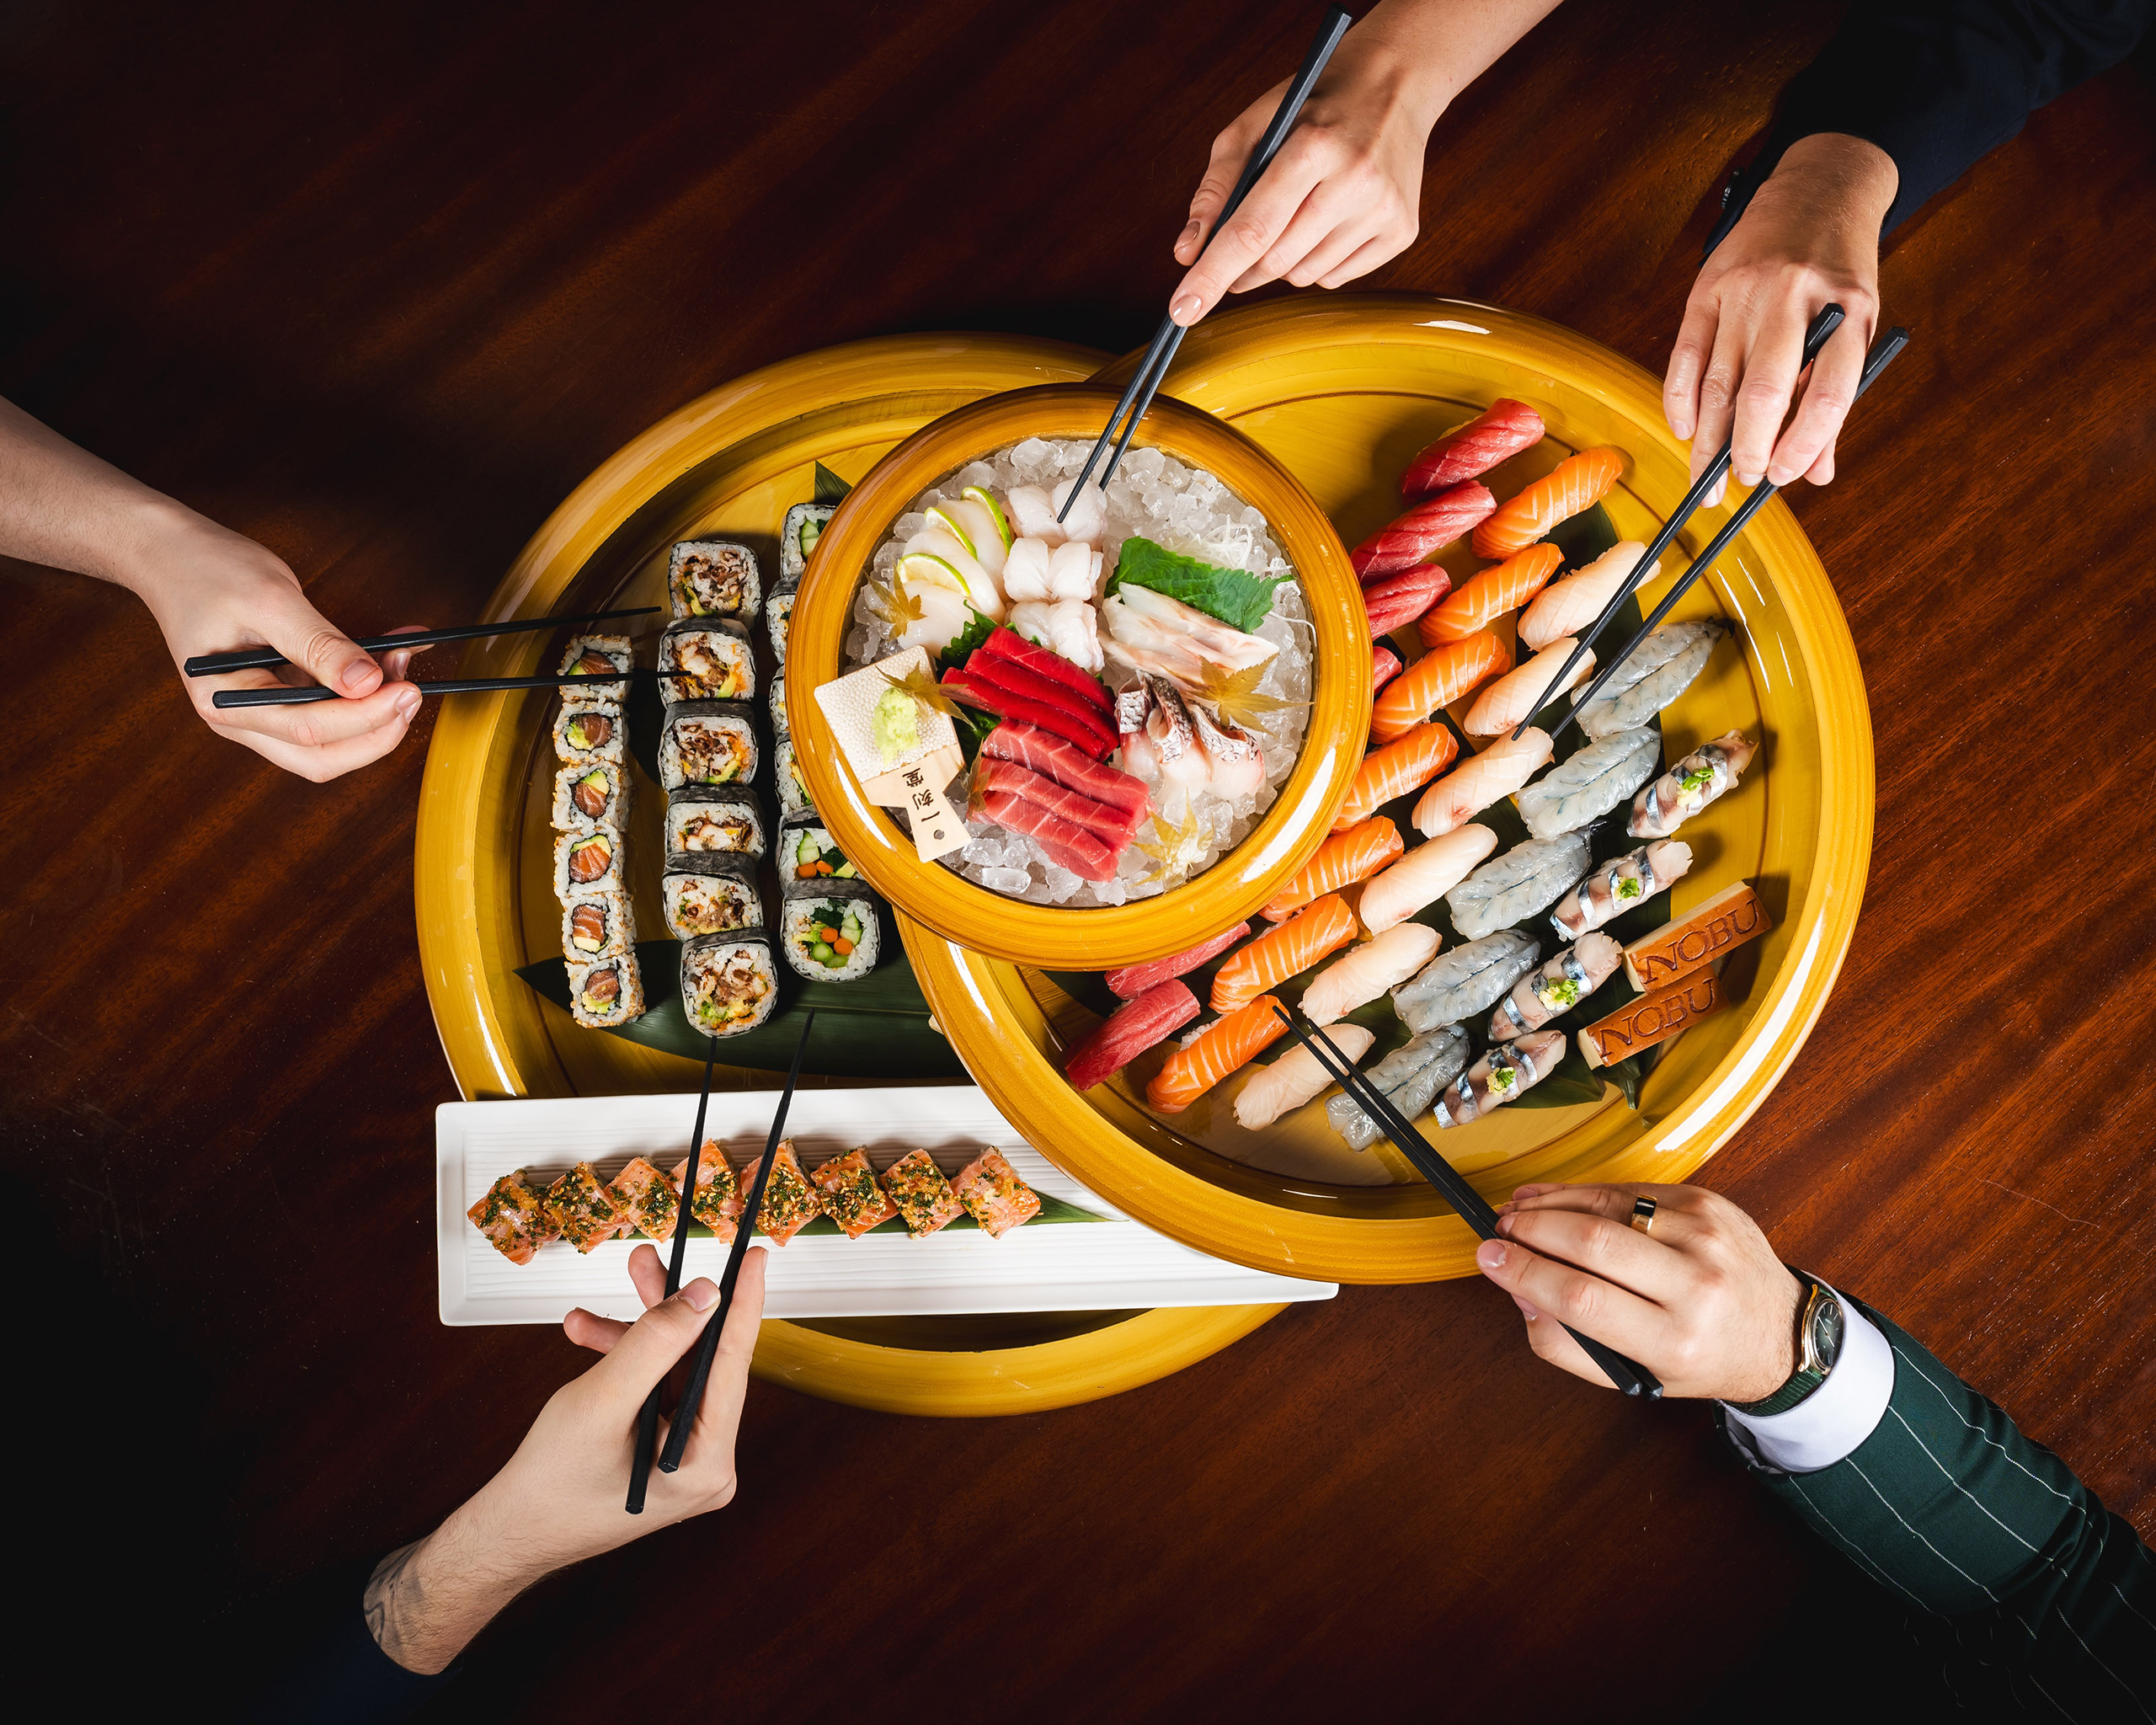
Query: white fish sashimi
(1407, 1078)
(1517, 695)
(1424, 876)
(1466, 981)
(944, 615)
(1689, 787)
(1141, 617)
(989, 549)
(1074, 571)
(1512, 888)
(1032, 514)
(1235, 758)
(1508, 1071)
(1025, 569)
(1295, 1077)
(1087, 517)
(1654, 674)
(1613, 887)
(1064, 627)
(1567, 606)
(1569, 978)
(1361, 974)
(1586, 786)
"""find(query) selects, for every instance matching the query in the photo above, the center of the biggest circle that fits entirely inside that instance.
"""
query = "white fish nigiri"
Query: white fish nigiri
(1569, 978)
(1512, 888)
(1064, 627)
(1424, 876)
(1567, 606)
(1514, 696)
(1689, 787)
(1588, 784)
(1509, 1070)
(1295, 1077)
(1361, 973)
(1085, 518)
(1480, 780)
(1652, 675)
(1025, 569)
(1032, 514)
(1074, 570)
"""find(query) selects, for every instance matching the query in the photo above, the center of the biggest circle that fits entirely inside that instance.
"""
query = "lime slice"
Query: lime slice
(986, 499)
(926, 566)
(948, 521)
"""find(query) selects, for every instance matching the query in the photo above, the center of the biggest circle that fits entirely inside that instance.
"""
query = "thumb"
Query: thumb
(654, 1345)
(318, 647)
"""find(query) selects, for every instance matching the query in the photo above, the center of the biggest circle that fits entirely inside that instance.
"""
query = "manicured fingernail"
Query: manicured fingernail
(1715, 496)
(1680, 428)
(702, 1294)
(1189, 234)
(407, 704)
(1490, 1255)
(1185, 310)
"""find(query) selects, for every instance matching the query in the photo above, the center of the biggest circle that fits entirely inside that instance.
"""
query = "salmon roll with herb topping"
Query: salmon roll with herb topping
(727, 983)
(715, 656)
(832, 935)
(712, 578)
(607, 992)
(708, 743)
(994, 1195)
(589, 729)
(582, 1213)
(591, 793)
(647, 1199)
(587, 859)
(710, 896)
(924, 1196)
(596, 656)
(717, 1202)
(797, 535)
(597, 925)
(513, 1218)
(852, 1197)
(791, 1202)
(701, 821)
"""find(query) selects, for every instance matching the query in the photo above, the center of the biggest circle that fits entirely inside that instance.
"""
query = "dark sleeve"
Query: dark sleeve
(2024, 1577)
(1937, 84)
(335, 1674)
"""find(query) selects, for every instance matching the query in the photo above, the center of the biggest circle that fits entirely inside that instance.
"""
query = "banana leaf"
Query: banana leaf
(1053, 1210)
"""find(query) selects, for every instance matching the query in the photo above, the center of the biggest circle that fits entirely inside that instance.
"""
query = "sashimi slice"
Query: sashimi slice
(1085, 854)
(1424, 531)
(1313, 932)
(1518, 695)
(1405, 764)
(1014, 679)
(1004, 705)
(1496, 434)
(1053, 757)
(1577, 482)
(1135, 979)
(1437, 679)
(1296, 1078)
(1343, 859)
(1480, 780)
(1488, 593)
(1218, 1050)
(1567, 606)
(1424, 876)
(1360, 976)
(1139, 1024)
(1114, 826)
(1008, 644)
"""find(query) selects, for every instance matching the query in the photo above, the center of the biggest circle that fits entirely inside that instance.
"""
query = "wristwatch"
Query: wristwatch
(1820, 1327)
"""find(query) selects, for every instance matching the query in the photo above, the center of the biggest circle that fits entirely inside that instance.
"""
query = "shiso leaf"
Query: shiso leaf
(1234, 695)
(830, 488)
(1236, 597)
(969, 640)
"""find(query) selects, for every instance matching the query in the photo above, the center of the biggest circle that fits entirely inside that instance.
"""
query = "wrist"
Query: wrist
(141, 535)
(1773, 1360)
(1847, 178)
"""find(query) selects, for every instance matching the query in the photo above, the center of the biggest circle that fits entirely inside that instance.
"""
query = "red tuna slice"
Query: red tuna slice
(1398, 599)
(1085, 854)
(1009, 643)
(1006, 705)
(1135, 1026)
(1428, 528)
(1135, 979)
(1385, 666)
(1049, 755)
(1014, 679)
(1498, 433)
(1114, 826)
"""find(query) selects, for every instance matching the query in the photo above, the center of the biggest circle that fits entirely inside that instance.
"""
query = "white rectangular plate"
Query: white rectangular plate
(1042, 1267)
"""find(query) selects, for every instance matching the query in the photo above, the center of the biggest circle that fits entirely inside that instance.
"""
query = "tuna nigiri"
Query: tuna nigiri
(1558, 986)
(1519, 694)
(1424, 531)
(1424, 876)
(1509, 1070)
(1575, 483)
(1437, 679)
(1399, 767)
(1286, 951)
(1385, 666)
(1133, 979)
(1215, 1051)
(1347, 856)
(1480, 780)
(1514, 887)
(1689, 787)
(1126, 1033)
(1567, 606)
(1356, 978)
(1613, 887)
(1294, 1078)
(1496, 434)
(1488, 593)
(1395, 601)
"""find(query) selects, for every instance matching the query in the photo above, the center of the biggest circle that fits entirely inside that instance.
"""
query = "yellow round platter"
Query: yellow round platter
(1344, 391)
(730, 463)
(1239, 882)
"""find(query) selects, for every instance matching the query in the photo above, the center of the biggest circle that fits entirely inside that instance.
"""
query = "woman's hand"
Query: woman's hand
(1700, 1299)
(1809, 237)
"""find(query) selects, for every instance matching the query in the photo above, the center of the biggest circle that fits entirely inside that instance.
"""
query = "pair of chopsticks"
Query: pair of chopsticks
(692, 1392)
(1154, 369)
(218, 665)
(1628, 1375)
(1876, 361)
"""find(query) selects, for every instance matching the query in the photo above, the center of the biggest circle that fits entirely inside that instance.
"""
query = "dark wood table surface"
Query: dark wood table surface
(379, 285)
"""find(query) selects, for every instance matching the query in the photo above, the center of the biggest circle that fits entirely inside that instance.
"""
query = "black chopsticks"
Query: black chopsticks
(1878, 360)
(217, 664)
(1830, 319)
(1628, 1375)
(309, 693)
(1154, 369)
(692, 1392)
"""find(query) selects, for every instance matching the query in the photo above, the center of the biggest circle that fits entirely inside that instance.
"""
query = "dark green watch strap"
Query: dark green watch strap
(1814, 1360)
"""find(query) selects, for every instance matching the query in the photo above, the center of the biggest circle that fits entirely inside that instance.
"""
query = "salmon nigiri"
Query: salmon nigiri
(1577, 482)
(1347, 856)
(1437, 679)
(1313, 932)
(1424, 876)
(1425, 530)
(1480, 780)
(1519, 695)
(1496, 434)
(1223, 1046)
(1418, 756)
(1489, 594)
(1567, 606)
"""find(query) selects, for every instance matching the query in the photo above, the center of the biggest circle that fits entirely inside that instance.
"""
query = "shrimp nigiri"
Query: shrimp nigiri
(1437, 679)
(1496, 434)
(1356, 978)
(1424, 876)
(1396, 769)
(1215, 1051)
(1577, 482)
(1480, 780)
(1567, 606)
(1312, 933)
(1344, 859)
(1489, 594)
(1519, 695)
(1425, 530)
(1295, 1077)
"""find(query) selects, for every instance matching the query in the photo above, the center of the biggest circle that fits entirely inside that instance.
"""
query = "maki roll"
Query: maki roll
(589, 791)
(597, 925)
(808, 857)
(728, 984)
(701, 822)
(596, 656)
(589, 727)
(793, 797)
(707, 743)
(712, 578)
(778, 620)
(831, 936)
(803, 526)
(716, 654)
(780, 728)
(710, 896)
(607, 992)
(587, 859)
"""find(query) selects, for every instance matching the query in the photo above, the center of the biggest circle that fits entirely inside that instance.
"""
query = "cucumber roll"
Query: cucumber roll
(831, 936)
(597, 925)
(609, 992)
(707, 743)
(728, 984)
(591, 791)
(596, 656)
(710, 896)
(793, 797)
(717, 652)
(702, 822)
(712, 578)
(797, 539)
(808, 858)
(780, 728)
(587, 859)
(778, 619)
(589, 728)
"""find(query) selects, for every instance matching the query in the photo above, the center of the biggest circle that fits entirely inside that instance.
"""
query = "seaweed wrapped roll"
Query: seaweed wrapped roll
(803, 526)
(728, 984)
(597, 925)
(606, 991)
(589, 727)
(780, 728)
(831, 936)
(710, 896)
(703, 822)
(707, 743)
(712, 578)
(778, 619)
(793, 797)
(591, 791)
(596, 656)
(716, 653)
(587, 858)
(807, 857)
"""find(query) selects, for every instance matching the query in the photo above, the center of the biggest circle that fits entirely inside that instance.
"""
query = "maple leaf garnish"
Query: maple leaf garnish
(894, 606)
(1176, 847)
(1234, 695)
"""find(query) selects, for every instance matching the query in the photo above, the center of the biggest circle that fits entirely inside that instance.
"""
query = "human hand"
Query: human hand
(1809, 237)
(1700, 1301)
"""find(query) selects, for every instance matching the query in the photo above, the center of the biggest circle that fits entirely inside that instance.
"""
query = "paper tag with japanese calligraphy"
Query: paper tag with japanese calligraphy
(919, 789)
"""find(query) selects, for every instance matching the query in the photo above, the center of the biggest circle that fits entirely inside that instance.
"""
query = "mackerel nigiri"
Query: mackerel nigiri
(1512, 888)
(1613, 887)
(1466, 980)
(1341, 860)
(1586, 786)
(1295, 1077)
(1575, 483)
(1425, 530)
(1424, 876)
(1567, 606)
(1480, 780)
(1652, 675)
(1313, 932)
(1359, 976)
(1407, 1078)
(1689, 787)
(1488, 593)
(1404, 765)
(1215, 1051)
(1437, 679)
(1514, 697)
(1569, 978)
(1509, 1070)
(1496, 434)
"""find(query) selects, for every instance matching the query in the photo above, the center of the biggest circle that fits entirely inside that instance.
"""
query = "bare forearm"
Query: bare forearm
(61, 506)
(1441, 46)
(426, 1602)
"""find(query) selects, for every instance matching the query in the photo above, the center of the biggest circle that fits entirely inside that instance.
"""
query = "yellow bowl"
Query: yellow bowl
(1344, 391)
(1237, 883)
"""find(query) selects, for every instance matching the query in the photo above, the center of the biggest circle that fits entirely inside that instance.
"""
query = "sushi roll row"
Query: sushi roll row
(590, 810)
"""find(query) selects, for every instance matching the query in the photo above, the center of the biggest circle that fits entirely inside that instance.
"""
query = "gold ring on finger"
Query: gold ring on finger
(1643, 1214)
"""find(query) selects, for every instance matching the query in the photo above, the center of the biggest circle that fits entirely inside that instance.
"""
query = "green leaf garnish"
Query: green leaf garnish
(830, 488)
(1237, 598)
(969, 639)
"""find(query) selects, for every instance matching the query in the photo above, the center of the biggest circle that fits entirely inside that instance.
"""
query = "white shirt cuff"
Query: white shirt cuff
(1831, 1423)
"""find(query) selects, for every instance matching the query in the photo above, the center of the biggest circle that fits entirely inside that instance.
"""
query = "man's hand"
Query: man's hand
(1809, 237)
(1701, 1301)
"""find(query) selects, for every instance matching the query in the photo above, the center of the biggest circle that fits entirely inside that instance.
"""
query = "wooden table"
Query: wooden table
(379, 288)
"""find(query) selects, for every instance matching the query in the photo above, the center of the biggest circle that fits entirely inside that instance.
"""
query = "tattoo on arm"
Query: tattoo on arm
(393, 1593)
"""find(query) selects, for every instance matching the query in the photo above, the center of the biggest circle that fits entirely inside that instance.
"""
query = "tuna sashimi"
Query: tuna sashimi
(1014, 679)
(1312, 933)
(994, 1195)
(1051, 757)
(986, 695)
(1425, 530)
(1395, 601)
(1114, 826)
(1488, 593)
(1437, 679)
(1008, 644)
(1218, 1050)
(1139, 1024)
(1577, 482)
(1343, 859)
(1085, 854)
(1496, 434)
(1135, 979)
(1405, 765)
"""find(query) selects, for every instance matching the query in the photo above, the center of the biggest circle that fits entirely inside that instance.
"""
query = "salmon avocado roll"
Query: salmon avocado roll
(607, 992)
